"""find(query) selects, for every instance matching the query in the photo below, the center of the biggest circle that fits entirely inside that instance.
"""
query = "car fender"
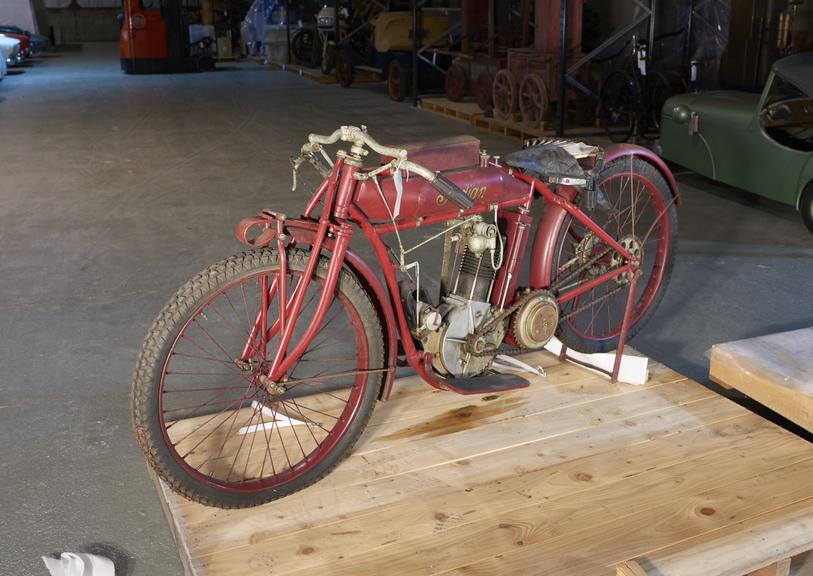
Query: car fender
(805, 179)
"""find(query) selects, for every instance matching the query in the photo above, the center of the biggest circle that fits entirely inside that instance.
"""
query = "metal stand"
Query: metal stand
(622, 339)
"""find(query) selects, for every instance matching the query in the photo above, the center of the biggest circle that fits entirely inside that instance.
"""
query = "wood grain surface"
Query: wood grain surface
(574, 475)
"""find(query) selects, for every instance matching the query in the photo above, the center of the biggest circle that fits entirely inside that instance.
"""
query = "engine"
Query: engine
(465, 307)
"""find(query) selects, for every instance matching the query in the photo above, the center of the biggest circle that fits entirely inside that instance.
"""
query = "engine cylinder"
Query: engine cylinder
(475, 276)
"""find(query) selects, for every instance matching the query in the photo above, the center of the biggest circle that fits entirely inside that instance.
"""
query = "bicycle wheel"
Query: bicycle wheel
(206, 420)
(635, 206)
(617, 106)
(660, 89)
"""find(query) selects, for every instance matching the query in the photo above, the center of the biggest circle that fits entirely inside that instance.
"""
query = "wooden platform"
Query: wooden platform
(775, 370)
(470, 113)
(573, 475)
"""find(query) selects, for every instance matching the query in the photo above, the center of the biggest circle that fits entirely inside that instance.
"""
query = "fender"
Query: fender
(617, 150)
(547, 233)
(381, 301)
(302, 232)
(378, 295)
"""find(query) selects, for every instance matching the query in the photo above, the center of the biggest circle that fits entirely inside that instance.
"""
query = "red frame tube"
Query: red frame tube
(341, 211)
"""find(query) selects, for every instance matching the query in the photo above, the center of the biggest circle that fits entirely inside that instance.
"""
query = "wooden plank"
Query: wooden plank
(573, 475)
(175, 521)
(772, 537)
(629, 568)
(781, 568)
(408, 453)
(571, 457)
(775, 370)
(597, 548)
(452, 527)
(463, 111)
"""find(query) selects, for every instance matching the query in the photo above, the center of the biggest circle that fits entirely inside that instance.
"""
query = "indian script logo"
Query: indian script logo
(473, 192)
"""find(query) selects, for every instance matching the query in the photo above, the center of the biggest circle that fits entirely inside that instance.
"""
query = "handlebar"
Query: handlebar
(359, 138)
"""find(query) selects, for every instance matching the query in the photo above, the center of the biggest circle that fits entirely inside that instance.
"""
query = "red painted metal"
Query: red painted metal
(620, 150)
(625, 325)
(516, 226)
(489, 185)
(307, 463)
(544, 247)
(351, 202)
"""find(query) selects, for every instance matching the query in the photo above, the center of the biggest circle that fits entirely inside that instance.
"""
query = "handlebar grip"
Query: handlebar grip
(452, 192)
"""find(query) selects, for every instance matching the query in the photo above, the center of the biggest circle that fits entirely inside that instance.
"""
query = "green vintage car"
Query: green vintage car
(762, 143)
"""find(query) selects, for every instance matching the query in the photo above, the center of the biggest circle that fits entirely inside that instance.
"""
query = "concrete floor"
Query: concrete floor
(116, 189)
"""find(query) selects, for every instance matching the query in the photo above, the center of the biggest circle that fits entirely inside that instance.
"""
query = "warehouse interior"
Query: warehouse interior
(126, 167)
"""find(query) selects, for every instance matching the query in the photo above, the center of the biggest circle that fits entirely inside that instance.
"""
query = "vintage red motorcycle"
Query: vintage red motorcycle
(260, 374)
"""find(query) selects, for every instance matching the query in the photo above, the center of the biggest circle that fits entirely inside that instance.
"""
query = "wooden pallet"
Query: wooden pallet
(574, 475)
(511, 128)
(310, 73)
(470, 113)
(775, 370)
(464, 111)
(316, 74)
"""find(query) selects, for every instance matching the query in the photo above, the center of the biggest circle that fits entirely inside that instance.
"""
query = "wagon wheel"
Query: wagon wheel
(533, 99)
(504, 94)
(344, 70)
(456, 81)
(482, 90)
(397, 81)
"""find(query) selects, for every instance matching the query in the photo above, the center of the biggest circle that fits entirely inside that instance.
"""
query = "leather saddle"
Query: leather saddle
(558, 161)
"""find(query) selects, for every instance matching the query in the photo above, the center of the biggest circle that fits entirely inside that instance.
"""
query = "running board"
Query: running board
(486, 383)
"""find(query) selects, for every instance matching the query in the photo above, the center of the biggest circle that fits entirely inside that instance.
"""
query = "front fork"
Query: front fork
(290, 307)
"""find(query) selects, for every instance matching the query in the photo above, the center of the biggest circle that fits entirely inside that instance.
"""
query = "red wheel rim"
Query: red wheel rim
(597, 314)
(504, 94)
(533, 100)
(291, 421)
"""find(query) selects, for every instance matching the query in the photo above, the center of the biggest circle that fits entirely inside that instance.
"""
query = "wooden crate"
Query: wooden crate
(775, 370)
(573, 475)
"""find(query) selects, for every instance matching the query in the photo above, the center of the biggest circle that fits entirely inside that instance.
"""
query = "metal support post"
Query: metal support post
(415, 47)
(288, 31)
(562, 105)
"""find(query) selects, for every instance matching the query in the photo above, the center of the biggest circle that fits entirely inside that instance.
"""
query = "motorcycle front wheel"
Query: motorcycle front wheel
(209, 423)
(634, 205)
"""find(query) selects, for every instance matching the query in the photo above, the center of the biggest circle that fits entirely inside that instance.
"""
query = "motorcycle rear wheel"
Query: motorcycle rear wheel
(639, 213)
(206, 422)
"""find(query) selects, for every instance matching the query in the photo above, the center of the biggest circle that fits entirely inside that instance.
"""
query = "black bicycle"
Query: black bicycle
(632, 97)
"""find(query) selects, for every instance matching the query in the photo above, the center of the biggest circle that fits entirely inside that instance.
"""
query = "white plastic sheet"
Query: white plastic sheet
(633, 368)
(77, 564)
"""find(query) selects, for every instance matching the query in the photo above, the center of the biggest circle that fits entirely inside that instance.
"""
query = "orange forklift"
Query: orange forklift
(154, 39)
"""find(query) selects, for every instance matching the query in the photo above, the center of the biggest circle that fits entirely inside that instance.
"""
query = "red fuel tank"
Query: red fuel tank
(458, 158)
(485, 186)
